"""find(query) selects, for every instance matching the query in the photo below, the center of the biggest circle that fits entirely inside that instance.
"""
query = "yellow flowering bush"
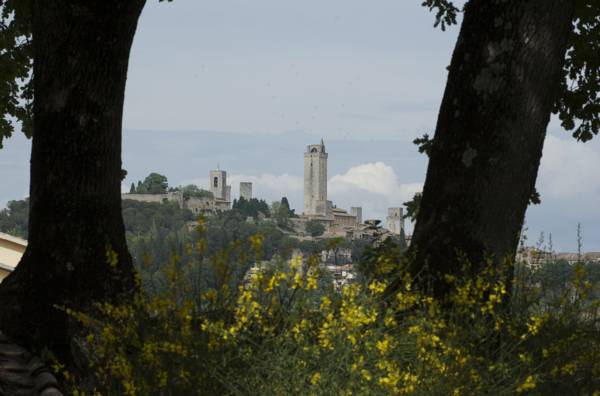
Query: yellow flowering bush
(285, 330)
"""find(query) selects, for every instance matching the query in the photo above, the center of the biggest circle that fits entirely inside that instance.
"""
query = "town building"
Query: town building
(337, 221)
(221, 191)
(357, 212)
(315, 181)
(219, 201)
(395, 220)
(11, 251)
(246, 190)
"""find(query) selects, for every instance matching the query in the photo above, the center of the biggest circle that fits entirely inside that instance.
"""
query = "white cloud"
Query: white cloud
(569, 169)
(569, 185)
(373, 186)
(376, 178)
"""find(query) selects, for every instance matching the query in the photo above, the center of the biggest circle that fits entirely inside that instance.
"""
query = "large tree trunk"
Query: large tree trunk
(488, 142)
(81, 53)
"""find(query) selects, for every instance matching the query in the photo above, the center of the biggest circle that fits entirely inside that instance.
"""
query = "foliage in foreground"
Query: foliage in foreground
(13, 219)
(285, 330)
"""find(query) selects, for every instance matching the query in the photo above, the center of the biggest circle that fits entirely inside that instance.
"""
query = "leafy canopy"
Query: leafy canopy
(154, 183)
(315, 228)
(16, 61)
(412, 207)
(252, 207)
(14, 218)
(578, 102)
(193, 191)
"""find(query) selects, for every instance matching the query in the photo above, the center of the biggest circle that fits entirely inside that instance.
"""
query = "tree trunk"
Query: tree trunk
(81, 53)
(486, 152)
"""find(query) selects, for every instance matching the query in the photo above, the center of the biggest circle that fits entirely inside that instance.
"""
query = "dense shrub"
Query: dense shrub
(14, 218)
(285, 330)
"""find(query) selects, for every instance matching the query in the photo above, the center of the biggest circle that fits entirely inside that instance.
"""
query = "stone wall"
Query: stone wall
(323, 208)
(200, 205)
(356, 211)
(344, 220)
(176, 196)
(228, 193)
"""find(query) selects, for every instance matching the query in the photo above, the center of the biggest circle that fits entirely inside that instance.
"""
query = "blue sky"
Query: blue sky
(248, 84)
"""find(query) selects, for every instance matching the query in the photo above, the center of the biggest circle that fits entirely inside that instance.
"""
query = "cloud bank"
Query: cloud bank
(569, 169)
(373, 178)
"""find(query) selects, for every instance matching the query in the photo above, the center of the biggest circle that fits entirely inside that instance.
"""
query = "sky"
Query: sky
(246, 85)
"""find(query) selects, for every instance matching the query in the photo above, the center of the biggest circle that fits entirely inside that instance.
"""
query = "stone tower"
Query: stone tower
(228, 193)
(395, 220)
(246, 190)
(315, 180)
(218, 184)
(357, 212)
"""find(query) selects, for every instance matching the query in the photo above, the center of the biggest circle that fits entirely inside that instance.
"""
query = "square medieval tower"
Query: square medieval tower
(315, 179)
(218, 183)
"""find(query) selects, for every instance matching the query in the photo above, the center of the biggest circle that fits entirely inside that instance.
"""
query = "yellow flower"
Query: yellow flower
(210, 295)
(377, 287)
(366, 374)
(568, 369)
(315, 378)
(256, 242)
(382, 346)
(112, 258)
(297, 281)
(389, 320)
(274, 281)
(535, 324)
(528, 384)
(325, 303)
(311, 280)
(295, 263)
(525, 357)
(351, 338)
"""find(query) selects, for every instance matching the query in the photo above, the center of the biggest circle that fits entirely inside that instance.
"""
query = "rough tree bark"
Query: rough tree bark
(502, 82)
(81, 54)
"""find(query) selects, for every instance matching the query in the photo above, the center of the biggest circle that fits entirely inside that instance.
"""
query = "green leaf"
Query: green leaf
(16, 61)
(534, 198)
(425, 144)
(445, 12)
(578, 102)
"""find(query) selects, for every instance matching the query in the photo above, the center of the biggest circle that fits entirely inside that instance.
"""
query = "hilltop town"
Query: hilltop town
(336, 222)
